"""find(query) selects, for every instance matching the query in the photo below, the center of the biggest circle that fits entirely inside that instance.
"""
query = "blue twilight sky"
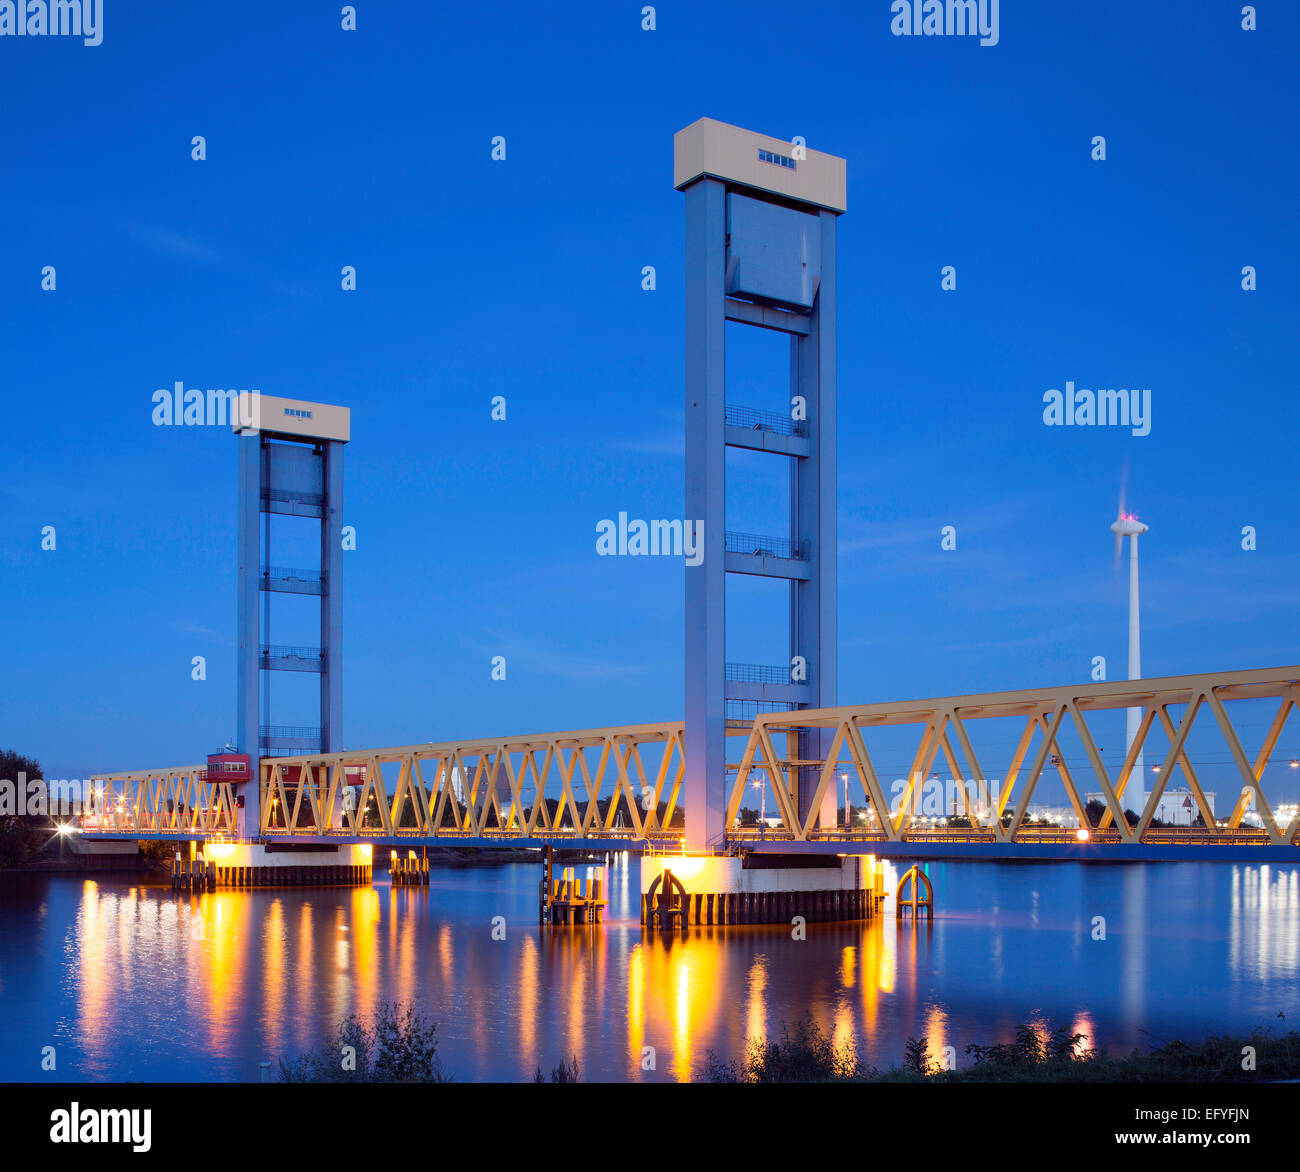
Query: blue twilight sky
(522, 278)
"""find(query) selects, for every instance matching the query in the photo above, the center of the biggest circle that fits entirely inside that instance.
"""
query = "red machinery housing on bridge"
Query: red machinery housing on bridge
(227, 765)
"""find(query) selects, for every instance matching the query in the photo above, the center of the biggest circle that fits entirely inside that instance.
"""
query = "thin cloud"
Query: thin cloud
(540, 660)
(171, 242)
(206, 632)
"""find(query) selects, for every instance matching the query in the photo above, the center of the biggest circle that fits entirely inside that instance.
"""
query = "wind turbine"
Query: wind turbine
(1127, 525)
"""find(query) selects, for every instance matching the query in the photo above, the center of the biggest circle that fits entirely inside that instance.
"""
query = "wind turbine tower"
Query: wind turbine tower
(1130, 527)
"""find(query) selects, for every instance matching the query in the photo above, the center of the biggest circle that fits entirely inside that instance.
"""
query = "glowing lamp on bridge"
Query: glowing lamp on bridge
(219, 852)
(1082, 834)
(684, 867)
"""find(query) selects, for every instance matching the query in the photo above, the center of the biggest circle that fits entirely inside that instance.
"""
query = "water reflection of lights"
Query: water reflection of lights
(936, 1032)
(219, 966)
(1264, 921)
(885, 971)
(576, 981)
(95, 995)
(1083, 1024)
(843, 1036)
(530, 1000)
(683, 1015)
(274, 974)
(636, 1004)
(756, 1024)
(363, 952)
(683, 1053)
(607, 996)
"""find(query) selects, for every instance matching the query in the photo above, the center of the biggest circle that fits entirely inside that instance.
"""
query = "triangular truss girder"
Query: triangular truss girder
(597, 783)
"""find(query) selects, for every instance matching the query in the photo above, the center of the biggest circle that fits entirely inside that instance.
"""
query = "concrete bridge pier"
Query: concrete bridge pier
(246, 864)
(678, 891)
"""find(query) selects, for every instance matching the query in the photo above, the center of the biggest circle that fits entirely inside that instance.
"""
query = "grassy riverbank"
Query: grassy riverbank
(400, 1045)
(803, 1053)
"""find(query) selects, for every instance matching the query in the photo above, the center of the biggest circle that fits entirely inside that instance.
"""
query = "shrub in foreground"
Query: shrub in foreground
(399, 1045)
(804, 1053)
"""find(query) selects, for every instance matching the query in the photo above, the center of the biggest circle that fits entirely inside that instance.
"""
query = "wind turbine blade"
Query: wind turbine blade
(1119, 515)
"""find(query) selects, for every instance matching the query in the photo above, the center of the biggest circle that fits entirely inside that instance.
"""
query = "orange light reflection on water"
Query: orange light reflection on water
(756, 1022)
(286, 968)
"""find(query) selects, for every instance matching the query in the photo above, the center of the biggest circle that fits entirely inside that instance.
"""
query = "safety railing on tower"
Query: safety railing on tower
(758, 420)
(757, 673)
(761, 545)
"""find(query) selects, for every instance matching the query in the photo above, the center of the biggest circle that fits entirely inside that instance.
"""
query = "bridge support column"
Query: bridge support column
(290, 466)
(706, 582)
(248, 680)
(813, 604)
(760, 251)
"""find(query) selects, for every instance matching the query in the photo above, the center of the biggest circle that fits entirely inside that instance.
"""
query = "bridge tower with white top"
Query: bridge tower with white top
(760, 249)
(290, 465)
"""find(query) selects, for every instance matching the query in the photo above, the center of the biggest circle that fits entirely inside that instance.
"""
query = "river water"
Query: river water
(127, 980)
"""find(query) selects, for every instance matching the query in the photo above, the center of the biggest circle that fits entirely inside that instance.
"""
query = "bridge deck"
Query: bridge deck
(621, 788)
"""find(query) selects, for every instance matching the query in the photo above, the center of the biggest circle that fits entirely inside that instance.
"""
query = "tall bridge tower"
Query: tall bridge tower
(760, 249)
(291, 465)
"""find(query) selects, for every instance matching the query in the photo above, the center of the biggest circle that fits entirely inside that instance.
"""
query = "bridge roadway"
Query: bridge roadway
(474, 795)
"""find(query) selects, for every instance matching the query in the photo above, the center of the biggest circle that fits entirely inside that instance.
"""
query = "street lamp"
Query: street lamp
(848, 814)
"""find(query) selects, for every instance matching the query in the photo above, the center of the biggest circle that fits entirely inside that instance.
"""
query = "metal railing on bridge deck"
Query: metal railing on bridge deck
(626, 783)
(1056, 835)
(181, 800)
(476, 789)
(1046, 713)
